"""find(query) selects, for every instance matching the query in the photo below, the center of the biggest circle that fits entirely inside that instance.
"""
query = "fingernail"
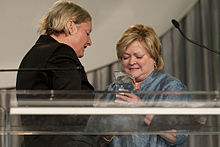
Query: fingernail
(122, 93)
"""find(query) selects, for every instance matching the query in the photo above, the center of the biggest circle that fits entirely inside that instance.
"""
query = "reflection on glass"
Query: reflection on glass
(124, 80)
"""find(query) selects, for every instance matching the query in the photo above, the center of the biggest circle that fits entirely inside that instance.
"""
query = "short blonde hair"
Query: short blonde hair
(55, 20)
(148, 39)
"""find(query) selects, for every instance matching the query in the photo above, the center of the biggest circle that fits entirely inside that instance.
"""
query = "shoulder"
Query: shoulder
(64, 53)
(163, 82)
(65, 50)
(48, 45)
(171, 83)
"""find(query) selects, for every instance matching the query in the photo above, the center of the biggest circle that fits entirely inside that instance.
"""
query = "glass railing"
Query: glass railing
(3, 120)
(51, 112)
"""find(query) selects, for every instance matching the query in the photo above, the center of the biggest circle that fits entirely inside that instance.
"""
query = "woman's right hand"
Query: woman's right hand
(127, 98)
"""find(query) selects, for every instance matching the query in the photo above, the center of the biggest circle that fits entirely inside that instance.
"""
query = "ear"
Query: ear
(71, 27)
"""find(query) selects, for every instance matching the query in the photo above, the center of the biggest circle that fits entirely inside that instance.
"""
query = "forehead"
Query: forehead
(135, 47)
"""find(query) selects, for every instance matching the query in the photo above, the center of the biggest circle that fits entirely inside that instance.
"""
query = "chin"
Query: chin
(134, 73)
(81, 55)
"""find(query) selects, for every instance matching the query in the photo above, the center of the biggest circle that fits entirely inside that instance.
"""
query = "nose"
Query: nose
(132, 61)
(89, 41)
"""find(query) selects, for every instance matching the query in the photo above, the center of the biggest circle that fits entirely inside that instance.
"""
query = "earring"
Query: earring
(155, 65)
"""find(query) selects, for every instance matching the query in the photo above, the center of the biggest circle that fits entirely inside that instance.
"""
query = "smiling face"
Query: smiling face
(137, 61)
(80, 39)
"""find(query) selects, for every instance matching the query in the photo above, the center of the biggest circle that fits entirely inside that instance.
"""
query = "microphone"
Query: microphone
(176, 25)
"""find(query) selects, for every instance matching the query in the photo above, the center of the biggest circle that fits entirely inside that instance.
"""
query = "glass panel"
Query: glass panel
(96, 113)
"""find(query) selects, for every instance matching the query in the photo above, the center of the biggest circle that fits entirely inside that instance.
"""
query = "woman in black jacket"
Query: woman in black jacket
(65, 33)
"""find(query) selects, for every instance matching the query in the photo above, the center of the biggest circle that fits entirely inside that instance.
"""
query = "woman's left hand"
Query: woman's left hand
(148, 119)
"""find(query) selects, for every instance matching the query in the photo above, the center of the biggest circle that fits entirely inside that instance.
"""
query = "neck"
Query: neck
(138, 82)
(61, 38)
(137, 85)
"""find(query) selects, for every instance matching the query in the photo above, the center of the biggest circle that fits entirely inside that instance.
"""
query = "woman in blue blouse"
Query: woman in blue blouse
(139, 50)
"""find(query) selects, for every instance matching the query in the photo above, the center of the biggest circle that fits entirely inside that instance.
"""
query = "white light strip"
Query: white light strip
(111, 111)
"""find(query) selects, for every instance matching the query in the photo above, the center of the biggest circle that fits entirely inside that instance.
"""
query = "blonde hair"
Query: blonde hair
(55, 20)
(148, 39)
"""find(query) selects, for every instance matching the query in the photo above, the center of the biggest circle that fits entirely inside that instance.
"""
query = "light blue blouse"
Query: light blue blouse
(156, 81)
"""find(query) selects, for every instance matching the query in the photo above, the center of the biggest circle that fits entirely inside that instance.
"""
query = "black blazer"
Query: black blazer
(48, 53)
